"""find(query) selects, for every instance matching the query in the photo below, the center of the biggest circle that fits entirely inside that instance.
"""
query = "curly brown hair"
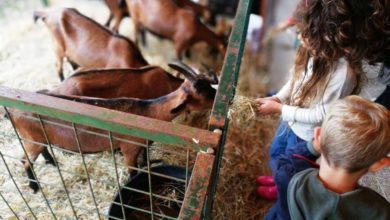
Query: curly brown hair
(356, 30)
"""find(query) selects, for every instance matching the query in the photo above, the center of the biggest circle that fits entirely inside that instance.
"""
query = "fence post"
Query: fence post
(226, 92)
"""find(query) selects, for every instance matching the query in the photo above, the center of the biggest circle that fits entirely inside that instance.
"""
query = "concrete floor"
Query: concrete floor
(281, 60)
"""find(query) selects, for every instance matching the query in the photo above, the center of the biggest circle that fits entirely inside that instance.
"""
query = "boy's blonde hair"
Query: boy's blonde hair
(355, 134)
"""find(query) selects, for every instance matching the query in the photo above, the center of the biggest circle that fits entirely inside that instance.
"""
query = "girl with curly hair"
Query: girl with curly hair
(336, 36)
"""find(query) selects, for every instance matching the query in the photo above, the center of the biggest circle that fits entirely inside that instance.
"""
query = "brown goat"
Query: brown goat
(144, 83)
(200, 10)
(117, 12)
(169, 21)
(86, 43)
(194, 94)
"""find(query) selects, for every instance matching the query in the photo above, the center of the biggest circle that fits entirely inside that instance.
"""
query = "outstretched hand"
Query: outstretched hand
(269, 105)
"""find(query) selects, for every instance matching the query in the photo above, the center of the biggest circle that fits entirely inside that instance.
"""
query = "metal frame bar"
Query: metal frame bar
(17, 187)
(226, 92)
(85, 168)
(116, 172)
(231, 66)
(31, 167)
(149, 181)
(196, 194)
(9, 206)
(58, 169)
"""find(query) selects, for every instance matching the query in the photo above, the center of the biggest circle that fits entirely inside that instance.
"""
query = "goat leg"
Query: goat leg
(33, 152)
(32, 182)
(143, 37)
(60, 62)
(48, 158)
(73, 64)
(107, 24)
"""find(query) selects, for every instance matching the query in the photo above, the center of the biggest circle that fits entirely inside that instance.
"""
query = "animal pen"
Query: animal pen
(180, 185)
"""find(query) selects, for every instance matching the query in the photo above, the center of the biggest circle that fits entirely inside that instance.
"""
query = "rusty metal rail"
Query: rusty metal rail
(226, 92)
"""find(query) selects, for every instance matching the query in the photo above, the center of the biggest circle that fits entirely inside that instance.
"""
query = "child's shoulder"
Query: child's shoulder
(304, 179)
(307, 195)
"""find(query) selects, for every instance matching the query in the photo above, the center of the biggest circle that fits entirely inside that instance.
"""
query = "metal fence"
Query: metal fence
(176, 179)
(82, 185)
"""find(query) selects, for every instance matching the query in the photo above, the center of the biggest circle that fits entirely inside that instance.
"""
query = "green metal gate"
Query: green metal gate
(198, 152)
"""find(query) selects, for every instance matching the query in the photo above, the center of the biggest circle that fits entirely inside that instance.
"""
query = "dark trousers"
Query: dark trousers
(285, 140)
(384, 98)
(284, 167)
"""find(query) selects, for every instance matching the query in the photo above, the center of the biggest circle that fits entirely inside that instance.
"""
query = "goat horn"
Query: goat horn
(212, 74)
(190, 69)
(183, 70)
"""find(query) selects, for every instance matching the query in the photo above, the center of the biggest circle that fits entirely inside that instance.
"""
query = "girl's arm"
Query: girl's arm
(340, 85)
(284, 93)
(273, 104)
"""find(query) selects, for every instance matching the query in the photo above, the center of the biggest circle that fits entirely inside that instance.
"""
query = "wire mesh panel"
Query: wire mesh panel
(51, 168)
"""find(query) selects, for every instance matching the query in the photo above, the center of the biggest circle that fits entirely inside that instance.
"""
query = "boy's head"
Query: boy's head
(355, 135)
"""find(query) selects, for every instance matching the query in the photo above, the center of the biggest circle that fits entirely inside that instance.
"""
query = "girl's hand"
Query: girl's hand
(268, 105)
(271, 98)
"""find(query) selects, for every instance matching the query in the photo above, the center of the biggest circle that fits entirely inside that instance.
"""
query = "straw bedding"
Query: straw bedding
(27, 61)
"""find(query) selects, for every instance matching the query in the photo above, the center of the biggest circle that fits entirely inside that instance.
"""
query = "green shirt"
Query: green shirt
(309, 199)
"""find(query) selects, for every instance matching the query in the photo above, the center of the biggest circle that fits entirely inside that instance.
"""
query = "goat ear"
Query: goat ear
(180, 105)
(211, 73)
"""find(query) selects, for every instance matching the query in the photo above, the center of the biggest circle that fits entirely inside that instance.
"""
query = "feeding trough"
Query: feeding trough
(167, 186)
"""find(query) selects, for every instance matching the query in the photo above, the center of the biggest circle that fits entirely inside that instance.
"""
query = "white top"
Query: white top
(303, 120)
(374, 85)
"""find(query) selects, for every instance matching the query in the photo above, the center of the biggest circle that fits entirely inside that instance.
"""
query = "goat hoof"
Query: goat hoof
(34, 186)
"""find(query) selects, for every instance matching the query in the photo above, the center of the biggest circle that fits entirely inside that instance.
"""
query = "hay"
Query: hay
(245, 157)
(242, 110)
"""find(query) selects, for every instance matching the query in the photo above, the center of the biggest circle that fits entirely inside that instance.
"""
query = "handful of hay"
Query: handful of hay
(242, 109)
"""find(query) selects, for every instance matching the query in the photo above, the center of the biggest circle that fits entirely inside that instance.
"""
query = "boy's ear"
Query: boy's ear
(317, 139)
(380, 164)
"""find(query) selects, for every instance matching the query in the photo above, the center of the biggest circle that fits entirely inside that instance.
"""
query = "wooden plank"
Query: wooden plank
(119, 122)
(196, 192)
